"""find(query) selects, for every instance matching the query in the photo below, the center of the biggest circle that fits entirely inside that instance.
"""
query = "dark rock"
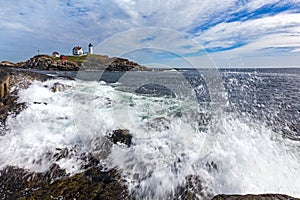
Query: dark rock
(122, 136)
(100, 62)
(211, 166)
(191, 190)
(121, 64)
(63, 153)
(89, 161)
(16, 183)
(35, 102)
(7, 64)
(59, 87)
(158, 124)
(92, 62)
(54, 173)
(43, 62)
(254, 197)
(17, 80)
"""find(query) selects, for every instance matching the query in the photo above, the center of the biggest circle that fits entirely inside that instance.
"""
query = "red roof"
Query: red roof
(77, 48)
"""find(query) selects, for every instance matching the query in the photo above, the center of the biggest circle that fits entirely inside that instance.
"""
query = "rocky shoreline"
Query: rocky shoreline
(91, 62)
(94, 181)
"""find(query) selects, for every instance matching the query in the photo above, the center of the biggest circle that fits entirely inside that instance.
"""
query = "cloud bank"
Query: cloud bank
(235, 33)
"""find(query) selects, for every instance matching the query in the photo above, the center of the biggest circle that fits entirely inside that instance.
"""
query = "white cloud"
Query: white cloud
(296, 50)
(67, 23)
(252, 29)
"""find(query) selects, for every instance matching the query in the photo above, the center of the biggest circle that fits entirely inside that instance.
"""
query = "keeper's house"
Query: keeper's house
(77, 51)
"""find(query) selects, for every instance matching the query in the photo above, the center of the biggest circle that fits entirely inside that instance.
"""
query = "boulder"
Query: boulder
(121, 136)
(59, 87)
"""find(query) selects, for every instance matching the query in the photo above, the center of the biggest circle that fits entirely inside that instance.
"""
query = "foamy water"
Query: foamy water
(168, 142)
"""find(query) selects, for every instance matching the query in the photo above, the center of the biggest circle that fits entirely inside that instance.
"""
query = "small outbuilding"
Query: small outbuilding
(63, 57)
(55, 54)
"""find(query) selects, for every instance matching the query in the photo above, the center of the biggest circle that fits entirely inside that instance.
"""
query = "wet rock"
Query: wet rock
(4, 85)
(101, 147)
(17, 80)
(54, 173)
(65, 153)
(62, 153)
(192, 189)
(254, 197)
(121, 136)
(35, 102)
(211, 166)
(89, 161)
(158, 124)
(59, 87)
(16, 183)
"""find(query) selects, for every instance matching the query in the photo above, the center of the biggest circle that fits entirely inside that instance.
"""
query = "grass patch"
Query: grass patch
(77, 59)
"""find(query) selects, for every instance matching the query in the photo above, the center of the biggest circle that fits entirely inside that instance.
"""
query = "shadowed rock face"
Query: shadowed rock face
(4, 85)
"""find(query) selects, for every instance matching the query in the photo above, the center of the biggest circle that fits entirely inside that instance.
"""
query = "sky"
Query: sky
(229, 33)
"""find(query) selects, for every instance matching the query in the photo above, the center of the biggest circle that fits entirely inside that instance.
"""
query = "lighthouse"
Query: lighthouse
(90, 48)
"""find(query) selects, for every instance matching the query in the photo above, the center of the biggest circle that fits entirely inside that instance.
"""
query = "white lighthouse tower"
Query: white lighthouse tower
(90, 48)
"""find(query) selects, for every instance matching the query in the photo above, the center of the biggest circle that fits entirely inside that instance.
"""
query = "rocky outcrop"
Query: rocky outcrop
(99, 62)
(43, 62)
(11, 82)
(4, 85)
(254, 197)
(91, 62)
(121, 64)
(7, 64)
(94, 183)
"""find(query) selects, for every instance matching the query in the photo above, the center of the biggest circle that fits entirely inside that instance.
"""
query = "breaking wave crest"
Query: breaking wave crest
(172, 140)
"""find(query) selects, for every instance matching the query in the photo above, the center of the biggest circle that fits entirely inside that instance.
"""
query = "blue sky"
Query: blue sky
(235, 33)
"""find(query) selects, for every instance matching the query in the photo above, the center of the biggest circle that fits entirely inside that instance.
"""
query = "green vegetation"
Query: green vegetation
(77, 59)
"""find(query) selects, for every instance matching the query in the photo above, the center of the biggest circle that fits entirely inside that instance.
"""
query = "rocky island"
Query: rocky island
(76, 63)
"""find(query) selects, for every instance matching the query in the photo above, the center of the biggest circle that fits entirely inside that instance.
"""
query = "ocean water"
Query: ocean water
(248, 143)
